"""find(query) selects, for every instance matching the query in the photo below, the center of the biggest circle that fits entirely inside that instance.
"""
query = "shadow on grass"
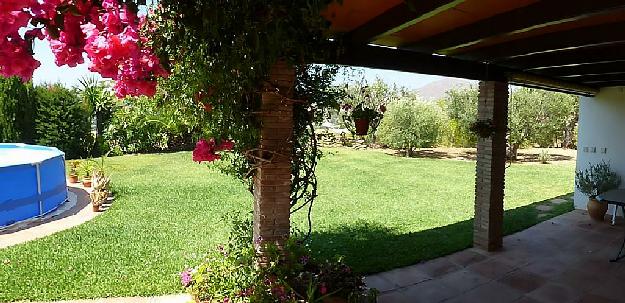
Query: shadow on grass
(370, 247)
(471, 155)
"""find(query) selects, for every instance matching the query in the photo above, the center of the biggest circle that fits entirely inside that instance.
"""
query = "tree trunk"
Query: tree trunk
(512, 151)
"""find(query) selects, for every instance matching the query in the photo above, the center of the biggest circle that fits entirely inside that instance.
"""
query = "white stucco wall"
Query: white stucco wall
(601, 133)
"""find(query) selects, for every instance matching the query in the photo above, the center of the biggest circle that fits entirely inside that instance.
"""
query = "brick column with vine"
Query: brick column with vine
(272, 181)
(491, 166)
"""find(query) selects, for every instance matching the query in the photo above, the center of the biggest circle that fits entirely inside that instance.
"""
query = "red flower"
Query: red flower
(208, 107)
(322, 289)
(205, 151)
(225, 145)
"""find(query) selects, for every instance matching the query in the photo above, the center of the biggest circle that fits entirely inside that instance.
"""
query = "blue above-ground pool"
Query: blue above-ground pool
(32, 181)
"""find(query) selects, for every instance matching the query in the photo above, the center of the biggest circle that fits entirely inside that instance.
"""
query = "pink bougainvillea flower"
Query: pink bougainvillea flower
(108, 33)
(185, 277)
(208, 107)
(323, 289)
(225, 145)
(205, 151)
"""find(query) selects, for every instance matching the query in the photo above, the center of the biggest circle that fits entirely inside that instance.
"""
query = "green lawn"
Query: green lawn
(376, 210)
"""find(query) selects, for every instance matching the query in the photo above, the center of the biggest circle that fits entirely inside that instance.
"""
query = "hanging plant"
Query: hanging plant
(483, 128)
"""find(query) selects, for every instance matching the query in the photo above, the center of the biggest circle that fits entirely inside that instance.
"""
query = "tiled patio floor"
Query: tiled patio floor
(565, 259)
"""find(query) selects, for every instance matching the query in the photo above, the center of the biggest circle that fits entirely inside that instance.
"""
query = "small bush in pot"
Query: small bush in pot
(73, 171)
(86, 172)
(593, 181)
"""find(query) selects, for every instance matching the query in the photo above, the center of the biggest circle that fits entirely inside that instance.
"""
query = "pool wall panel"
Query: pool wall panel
(19, 194)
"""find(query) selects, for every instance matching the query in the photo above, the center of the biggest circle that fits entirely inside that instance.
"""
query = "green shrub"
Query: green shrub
(149, 125)
(63, 121)
(17, 111)
(409, 124)
(460, 105)
(596, 179)
(231, 274)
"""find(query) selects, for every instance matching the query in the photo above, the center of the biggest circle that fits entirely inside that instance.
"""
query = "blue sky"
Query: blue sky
(48, 72)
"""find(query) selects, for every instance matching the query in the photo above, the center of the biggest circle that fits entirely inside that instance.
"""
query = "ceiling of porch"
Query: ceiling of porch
(569, 45)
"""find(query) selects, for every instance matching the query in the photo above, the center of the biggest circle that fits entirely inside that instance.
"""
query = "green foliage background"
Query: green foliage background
(410, 123)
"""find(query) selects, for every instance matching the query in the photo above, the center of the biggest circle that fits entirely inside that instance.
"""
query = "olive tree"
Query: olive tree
(460, 105)
(540, 117)
(410, 123)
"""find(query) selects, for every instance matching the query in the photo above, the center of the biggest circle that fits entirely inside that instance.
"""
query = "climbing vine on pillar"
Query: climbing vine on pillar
(220, 54)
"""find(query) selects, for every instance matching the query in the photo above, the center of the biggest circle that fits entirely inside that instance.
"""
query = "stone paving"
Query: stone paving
(564, 259)
(72, 213)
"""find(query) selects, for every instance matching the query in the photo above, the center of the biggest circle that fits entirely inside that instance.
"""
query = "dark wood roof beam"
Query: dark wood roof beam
(584, 69)
(592, 35)
(540, 14)
(603, 53)
(407, 61)
(397, 18)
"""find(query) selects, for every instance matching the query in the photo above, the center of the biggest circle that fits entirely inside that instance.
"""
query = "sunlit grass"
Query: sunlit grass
(377, 210)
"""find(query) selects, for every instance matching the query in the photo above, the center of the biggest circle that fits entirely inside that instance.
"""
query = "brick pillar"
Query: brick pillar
(490, 168)
(272, 181)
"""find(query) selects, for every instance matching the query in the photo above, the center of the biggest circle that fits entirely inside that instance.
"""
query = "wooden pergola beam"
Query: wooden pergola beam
(583, 69)
(534, 81)
(397, 18)
(414, 62)
(579, 37)
(603, 53)
(539, 14)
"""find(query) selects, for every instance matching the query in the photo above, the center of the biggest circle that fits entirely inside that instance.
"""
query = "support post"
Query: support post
(272, 181)
(491, 166)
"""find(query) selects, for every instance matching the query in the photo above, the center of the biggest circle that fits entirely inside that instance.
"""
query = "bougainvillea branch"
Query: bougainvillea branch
(108, 32)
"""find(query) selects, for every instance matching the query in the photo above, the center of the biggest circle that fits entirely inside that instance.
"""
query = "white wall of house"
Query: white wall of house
(601, 134)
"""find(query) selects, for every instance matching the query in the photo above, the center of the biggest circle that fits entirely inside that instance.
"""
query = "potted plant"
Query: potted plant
(593, 181)
(362, 117)
(86, 169)
(73, 171)
(100, 185)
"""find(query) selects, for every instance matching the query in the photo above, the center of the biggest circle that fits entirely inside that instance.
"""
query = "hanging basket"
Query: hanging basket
(362, 126)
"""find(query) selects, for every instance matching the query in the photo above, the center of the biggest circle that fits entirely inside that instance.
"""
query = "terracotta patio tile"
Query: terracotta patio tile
(438, 267)
(590, 298)
(525, 299)
(406, 276)
(555, 293)
(394, 297)
(490, 292)
(466, 257)
(578, 278)
(491, 268)
(515, 257)
(522, 280)
(429, 291)
(547, 267)
(380, 283)
(611, 288)
(462, 280)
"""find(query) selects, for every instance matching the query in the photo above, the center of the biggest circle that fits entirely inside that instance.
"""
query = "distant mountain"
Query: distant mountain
(436, 90)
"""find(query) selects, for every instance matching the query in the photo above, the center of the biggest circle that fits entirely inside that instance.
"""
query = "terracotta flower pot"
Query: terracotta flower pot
(96, 208)
(362, 126)
(73, 179)
(86, 183)
(596, 209)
